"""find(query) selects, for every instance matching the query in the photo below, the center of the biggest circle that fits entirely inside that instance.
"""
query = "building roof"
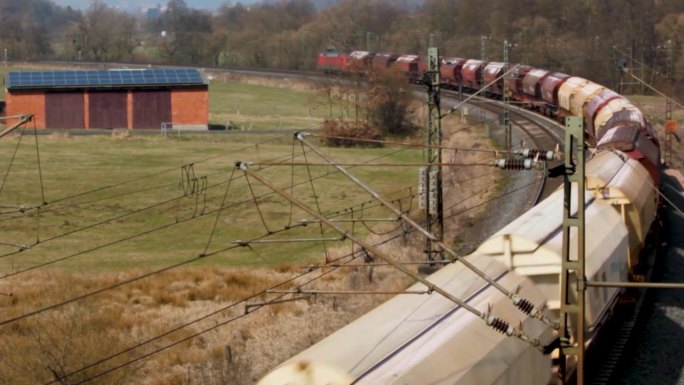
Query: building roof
(119, 78)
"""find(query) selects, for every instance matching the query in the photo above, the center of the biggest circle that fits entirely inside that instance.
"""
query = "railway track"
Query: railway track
(547, 135)
(529, 130)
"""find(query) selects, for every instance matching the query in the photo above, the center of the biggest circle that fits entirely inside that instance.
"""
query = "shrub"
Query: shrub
(345, 134)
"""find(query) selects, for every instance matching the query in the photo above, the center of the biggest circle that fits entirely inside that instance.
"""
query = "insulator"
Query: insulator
(531, 153)
(514, 164)
(433, 194)
(525, 306)
(499, 325)
(422, 188)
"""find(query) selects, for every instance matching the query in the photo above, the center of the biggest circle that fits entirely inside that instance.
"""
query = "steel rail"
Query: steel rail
(555, 138)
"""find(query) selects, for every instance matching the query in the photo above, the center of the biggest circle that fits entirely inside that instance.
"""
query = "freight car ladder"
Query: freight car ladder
(572, 268)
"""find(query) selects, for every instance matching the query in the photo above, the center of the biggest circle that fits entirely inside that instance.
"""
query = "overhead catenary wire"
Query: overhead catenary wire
(204, 317)
(492, 321)
(137, 179)
(415, 145)
(11, 162)
(22, 210)
(108, 220)
(40, 168)
(218, 213)
(333, 265)
(459, 105)
(357, 164)
(26, 247)
(315, 196)
(134, 279)
(118, 284)
(522, 304)
(349, 292)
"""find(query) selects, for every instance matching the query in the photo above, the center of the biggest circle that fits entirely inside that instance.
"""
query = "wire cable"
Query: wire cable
(14, 156)
(218, 213)
(315, 196)
(159, 350)
(40, 168)
(145, 177)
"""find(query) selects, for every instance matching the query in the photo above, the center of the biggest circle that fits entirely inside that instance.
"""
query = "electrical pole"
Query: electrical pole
(506, 121)
(669, 122)
(483, 57)
(483, 46)
(431, 176)
(572, 267)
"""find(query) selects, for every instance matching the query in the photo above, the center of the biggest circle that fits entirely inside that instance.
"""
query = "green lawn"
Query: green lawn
(151, 217)
(255, 107)
(115, 202)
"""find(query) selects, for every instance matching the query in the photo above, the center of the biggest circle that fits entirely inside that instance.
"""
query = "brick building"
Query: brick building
(128, 98)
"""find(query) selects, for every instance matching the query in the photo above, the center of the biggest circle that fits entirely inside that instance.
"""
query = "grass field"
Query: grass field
(75, 169)
(78, 211)
(258, 107)
(89, 225)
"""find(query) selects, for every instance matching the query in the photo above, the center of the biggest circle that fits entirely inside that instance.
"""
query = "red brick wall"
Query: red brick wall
(27, 103)
(190, 106)
(86, 108)
(129, 109)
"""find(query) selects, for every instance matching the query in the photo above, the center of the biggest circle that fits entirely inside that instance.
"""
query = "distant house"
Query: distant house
(127, 98)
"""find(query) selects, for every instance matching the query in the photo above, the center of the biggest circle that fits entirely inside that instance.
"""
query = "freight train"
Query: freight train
(427, 339)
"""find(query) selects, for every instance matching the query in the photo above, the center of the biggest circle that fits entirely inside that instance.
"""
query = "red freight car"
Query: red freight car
(472, 73)
(491, 72)
(450, 71)
(384, 60)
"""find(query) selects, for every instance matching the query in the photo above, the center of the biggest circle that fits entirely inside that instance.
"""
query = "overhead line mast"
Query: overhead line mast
(670, 124)
(430, 186)
(572, 277)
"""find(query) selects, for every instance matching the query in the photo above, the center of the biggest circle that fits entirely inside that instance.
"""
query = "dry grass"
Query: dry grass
(76, 335)
(79, 334)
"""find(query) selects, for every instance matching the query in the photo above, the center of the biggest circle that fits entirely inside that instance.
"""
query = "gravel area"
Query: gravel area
(656, 353)
(515, 197)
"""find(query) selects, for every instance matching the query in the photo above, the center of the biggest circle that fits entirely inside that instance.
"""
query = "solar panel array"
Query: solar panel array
(103, 78)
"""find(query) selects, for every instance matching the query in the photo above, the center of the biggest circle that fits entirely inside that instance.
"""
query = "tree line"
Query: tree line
(585, 37)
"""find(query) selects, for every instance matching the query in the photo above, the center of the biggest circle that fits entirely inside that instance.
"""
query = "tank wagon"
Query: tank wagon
(414, 339)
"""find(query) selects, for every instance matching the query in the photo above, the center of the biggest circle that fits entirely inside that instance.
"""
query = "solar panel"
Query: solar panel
(103, 78)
